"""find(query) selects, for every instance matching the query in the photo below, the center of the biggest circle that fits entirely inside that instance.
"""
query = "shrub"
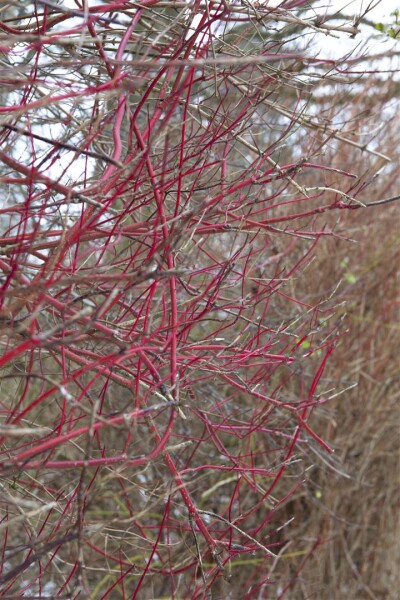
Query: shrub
(168, 180)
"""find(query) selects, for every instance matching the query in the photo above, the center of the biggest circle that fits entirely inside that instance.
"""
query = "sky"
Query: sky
(383, 7)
